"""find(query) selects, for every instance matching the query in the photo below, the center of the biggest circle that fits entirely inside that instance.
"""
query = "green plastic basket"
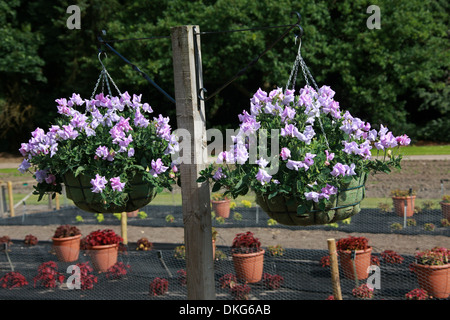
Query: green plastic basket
(78, 189)
(343, 205)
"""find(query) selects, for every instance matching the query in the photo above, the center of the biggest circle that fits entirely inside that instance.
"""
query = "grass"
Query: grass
(419, 150)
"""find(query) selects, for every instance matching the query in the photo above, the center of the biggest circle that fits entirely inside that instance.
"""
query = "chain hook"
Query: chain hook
(99, 58)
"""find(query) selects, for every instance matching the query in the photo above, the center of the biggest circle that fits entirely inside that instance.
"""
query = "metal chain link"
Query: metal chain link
(104, 75)
(306, 74)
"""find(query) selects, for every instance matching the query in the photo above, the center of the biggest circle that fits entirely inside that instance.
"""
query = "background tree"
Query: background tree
(396, 75)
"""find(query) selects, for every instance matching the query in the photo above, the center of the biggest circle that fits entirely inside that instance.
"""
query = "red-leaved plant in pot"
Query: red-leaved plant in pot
(354, 256)
(432, 268)
(66, 243)
(248, 257)
(103, 247)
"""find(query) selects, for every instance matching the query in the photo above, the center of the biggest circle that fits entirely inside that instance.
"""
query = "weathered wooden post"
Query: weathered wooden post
(11, 199)
(334, 269)
(190, 112)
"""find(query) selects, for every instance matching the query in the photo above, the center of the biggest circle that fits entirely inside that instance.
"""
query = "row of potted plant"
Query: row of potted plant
(102, 245)
(404, 202)
(432, 267)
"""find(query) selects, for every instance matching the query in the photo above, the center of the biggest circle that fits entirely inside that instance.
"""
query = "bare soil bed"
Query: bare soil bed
(423, 176)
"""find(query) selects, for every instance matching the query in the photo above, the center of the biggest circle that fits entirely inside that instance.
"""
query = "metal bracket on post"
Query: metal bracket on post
(353, 258)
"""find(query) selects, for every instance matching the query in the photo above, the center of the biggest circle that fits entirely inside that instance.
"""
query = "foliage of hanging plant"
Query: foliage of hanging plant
(103, 148)
(301, 153)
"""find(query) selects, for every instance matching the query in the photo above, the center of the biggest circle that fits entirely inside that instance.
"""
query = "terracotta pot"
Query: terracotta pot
(445, 206)
(362, 263)
(214, 249)
(435, 280)
(221, 208)
(249, 266)
(103, 257)
(399, 205)
(132, 214)
(67, 249)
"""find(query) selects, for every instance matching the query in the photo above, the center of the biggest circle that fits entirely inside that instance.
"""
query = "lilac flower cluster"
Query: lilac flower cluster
(112, 125)
(302, 122)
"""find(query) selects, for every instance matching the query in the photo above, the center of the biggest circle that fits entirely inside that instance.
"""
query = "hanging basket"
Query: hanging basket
(78, 189)
(345, 204)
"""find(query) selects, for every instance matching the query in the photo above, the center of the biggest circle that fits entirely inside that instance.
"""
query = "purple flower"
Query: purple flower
(248, 125)
(278, 92)
(68, 132)
(163, 128)
(124, 143)
(240, 153)
(78, 120)
(285, 153)
(343, 170)
(157, 167)
(403, 140)
(259, 96)
(262, 163)
(327, 191)
(116, 184)
(351, 147)
(288, 97)
(51, 179)
(309, 159)
(125, 97)
(288, 113)
(124, 125)
(307, 135)
(24, 166)
(330, 156)
(312, 195)
(98, 184)
(289, 130)
(147, 108)
(218, 175)
(140, 120)
(116, 134)
(295, 165)
(41, 175)
(338, 169)
(102, 152)
(226, 156)
(263, 177)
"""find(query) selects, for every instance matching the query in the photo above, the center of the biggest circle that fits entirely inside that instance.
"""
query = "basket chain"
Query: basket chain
(306, 74)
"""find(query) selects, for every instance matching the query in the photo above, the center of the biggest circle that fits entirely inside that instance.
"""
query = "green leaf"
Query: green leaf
(216, 187)
(79, 170)
(272, 195)
(301, 210)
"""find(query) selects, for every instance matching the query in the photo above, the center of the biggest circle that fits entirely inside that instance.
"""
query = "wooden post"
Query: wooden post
(11, 199)
(334, 269)
(190, 112)
(57, 206)
(123, 224)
